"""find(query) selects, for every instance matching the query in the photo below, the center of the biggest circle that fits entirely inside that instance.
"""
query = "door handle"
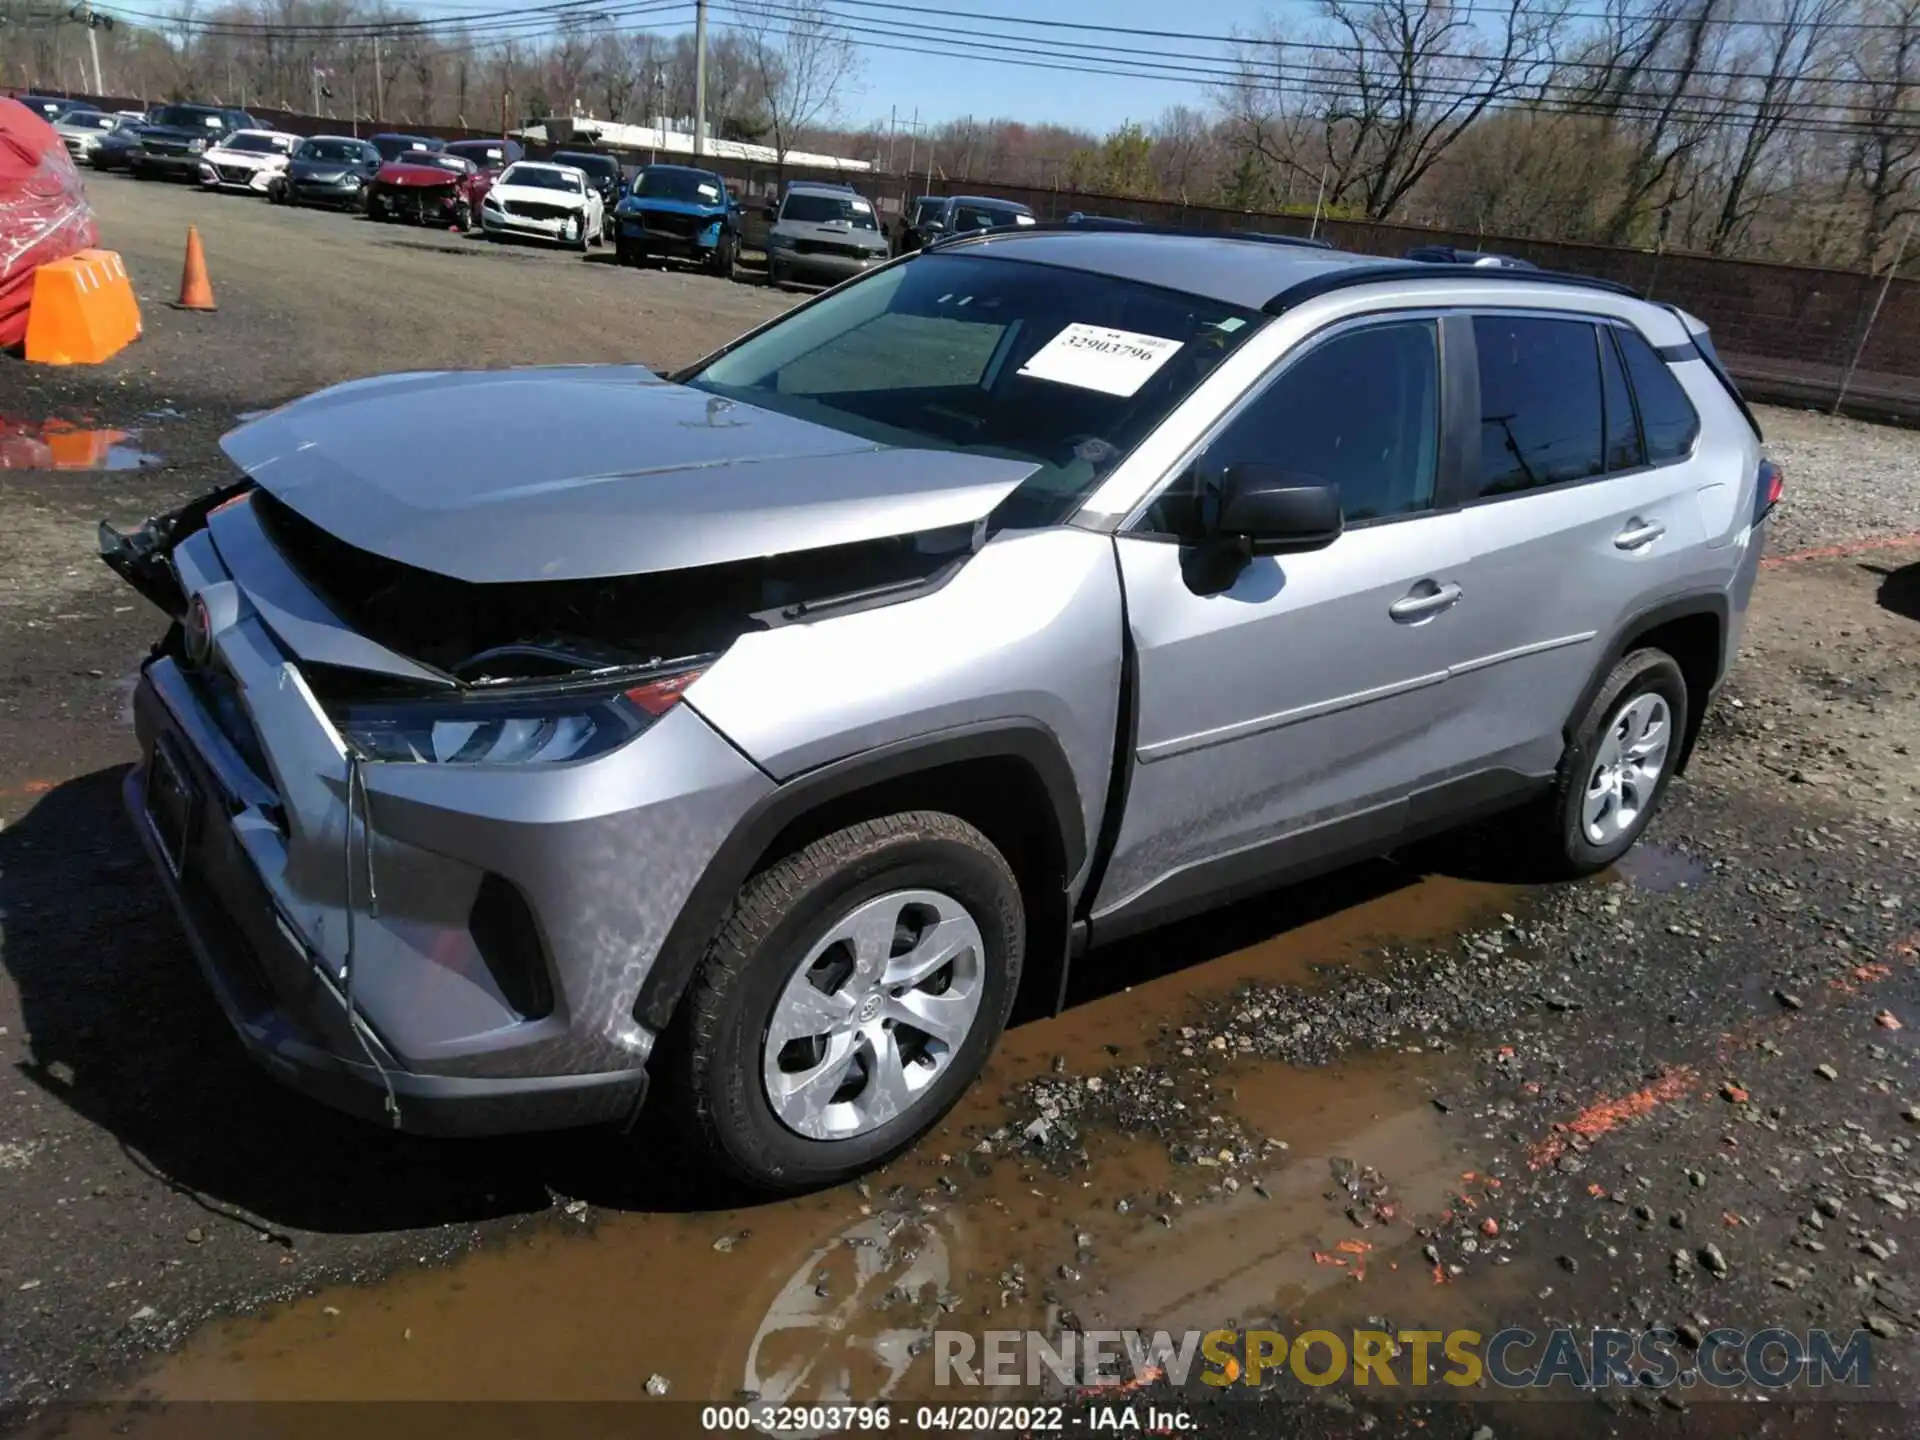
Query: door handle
(1639, 534)
(1424, 601)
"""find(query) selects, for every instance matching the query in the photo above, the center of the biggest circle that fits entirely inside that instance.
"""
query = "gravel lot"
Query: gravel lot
(1845, 479)
(1624, 1077)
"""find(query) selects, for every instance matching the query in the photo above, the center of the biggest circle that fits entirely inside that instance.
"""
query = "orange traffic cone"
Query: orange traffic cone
(196, 291)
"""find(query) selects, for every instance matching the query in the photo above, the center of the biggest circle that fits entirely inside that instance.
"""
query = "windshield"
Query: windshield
(541, 178)
(690, 186)
(187, 117)
(479, 154)
(88, 120)
(601, 167)
(1065, 368)
(337, 152)
(258, 144)
(433, 158)
(980, 217)
(927, 209)
(817, 209)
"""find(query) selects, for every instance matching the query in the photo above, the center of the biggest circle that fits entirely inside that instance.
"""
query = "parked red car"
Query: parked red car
(429, 188)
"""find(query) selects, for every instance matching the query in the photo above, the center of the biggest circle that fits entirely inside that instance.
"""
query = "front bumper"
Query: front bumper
(161, 163)
(635, 234)
(822, 269)
(601, 855)
(235, 177)
(493, 222)
(338, 192)
(416, 206)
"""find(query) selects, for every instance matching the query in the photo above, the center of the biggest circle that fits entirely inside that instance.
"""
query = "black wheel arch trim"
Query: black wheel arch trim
(1707, 602)
(744, 850)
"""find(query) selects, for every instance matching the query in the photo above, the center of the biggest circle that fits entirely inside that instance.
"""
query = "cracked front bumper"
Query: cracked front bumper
(240, 800)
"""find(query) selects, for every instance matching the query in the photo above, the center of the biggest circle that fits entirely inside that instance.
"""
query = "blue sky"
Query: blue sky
(952, 88)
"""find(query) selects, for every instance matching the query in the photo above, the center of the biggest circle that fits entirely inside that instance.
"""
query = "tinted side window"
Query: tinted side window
(1542, 421)
(1360, 411)
(1666, 415)
(1623, 431)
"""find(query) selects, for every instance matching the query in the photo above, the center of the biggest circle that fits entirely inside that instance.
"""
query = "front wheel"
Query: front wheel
(723, 257)
(1615, 772)
(854, 992)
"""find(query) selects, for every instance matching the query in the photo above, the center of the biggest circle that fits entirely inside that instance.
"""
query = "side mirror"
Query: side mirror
(1268, 511)
(771, 212)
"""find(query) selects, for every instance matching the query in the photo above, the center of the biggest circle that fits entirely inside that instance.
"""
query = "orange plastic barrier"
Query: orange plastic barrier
(83, 310)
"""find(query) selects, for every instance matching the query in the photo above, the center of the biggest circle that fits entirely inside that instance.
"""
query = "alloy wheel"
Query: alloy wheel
(873, 1014)
(1627, 767)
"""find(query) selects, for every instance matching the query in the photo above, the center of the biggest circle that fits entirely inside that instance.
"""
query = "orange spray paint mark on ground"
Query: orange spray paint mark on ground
(1606, 1115)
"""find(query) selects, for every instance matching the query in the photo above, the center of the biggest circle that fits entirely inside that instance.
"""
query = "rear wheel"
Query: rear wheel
(1616, 770)
(853, 994)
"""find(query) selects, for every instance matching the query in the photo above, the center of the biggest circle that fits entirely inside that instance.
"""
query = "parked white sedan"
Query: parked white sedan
(247, 160)
(556, 203)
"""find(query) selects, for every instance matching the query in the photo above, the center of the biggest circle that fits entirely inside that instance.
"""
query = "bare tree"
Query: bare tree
(805, 65)
(1885, 164)
(1794, 53)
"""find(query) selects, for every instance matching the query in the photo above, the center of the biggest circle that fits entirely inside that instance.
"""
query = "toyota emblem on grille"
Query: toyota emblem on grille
(199, 632)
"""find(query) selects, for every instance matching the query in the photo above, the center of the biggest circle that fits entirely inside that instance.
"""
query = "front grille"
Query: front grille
(234, 174)
(684, 227)
(411, 202)
(165, 147)
(830, 247)
(535, 210)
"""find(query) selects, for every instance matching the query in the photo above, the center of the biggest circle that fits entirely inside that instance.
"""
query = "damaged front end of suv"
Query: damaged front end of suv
(389, 771)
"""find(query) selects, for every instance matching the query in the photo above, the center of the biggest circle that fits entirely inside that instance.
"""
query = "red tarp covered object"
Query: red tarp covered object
(44, 215)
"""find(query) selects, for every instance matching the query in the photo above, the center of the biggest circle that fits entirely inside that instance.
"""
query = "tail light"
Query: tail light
(1768, 490)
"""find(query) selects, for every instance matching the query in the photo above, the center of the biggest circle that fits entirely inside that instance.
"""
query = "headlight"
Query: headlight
(526, 727)
(194, 147)
(487, 202)
(778, 242)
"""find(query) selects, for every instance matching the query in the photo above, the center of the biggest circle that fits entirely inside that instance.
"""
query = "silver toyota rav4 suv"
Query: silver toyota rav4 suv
(527, 739)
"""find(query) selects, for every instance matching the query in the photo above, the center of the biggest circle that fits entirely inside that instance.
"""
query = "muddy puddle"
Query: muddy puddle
(69, 445)
(1661, 869)
(835, 1295)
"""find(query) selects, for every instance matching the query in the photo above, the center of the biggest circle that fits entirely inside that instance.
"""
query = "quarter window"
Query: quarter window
(1360, 411)
(1542, 418)
(1667, 417)
(1623, 431)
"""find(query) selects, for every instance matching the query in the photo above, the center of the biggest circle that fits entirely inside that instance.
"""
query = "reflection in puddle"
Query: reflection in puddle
(835, 1296)
(1660, 869)
(66, 445)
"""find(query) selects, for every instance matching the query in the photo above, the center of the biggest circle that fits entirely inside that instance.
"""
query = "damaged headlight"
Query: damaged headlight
(525, 727)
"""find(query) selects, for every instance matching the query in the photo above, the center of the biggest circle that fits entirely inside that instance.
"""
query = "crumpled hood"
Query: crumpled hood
(573, 473)
(840, 231)
(540, 195)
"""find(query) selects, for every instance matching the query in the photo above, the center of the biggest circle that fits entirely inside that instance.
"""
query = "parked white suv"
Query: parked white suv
(765, 728)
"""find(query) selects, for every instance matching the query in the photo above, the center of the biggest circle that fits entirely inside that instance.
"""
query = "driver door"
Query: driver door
(1289, 715)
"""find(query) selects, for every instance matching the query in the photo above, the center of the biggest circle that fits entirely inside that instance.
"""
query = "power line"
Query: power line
(1564, 99)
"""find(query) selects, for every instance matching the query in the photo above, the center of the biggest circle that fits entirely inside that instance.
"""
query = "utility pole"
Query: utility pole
(83, 12)
(893, 133)
(700, 78)
(379, 88)
(315, 72)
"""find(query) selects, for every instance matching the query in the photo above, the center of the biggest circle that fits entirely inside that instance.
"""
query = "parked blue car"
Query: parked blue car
(678, 211)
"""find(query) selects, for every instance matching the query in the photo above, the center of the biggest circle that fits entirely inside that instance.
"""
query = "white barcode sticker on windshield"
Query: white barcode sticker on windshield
(1093, 357)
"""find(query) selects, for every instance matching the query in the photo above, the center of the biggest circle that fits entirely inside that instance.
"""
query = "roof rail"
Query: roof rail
(1102, 225)
(1316, 285)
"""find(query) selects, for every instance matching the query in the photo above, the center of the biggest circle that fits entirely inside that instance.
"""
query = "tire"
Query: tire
(918, 866)
(722, 260)
(1580, 830)
(463, 217)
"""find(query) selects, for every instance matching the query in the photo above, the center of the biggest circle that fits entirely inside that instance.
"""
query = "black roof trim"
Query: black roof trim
(1317, 285)
(1107, 225)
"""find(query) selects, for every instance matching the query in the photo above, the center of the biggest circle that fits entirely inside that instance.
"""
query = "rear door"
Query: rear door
(1580, 513)
(1293, 711)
